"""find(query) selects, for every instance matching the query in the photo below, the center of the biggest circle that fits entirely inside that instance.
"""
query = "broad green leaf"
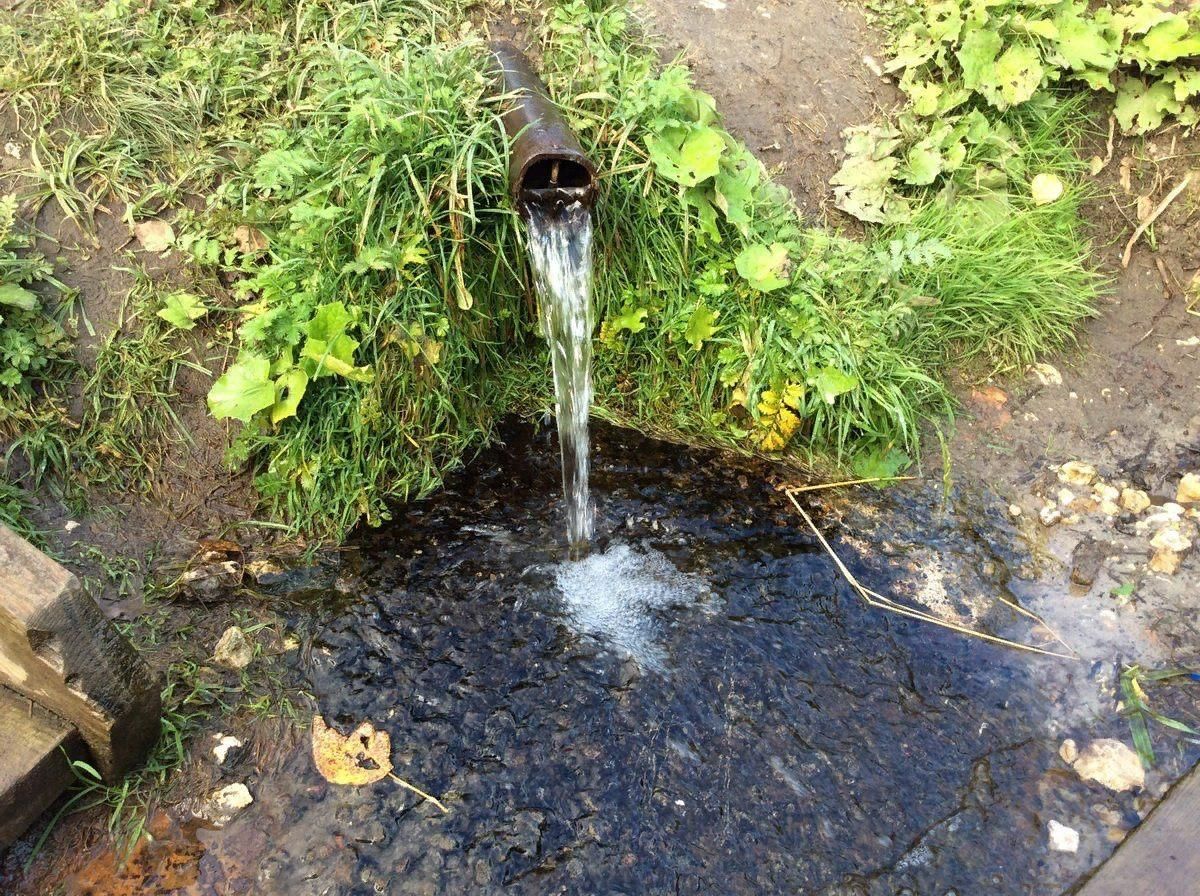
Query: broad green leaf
(925, 96)
(733, 189)
(631, 320)
(1185, 81)
(289, 389)
(334, 357)
(18, 297)
(243, 390)
(764, 267)
(701, 326)
(831, 382)
(182, 310)
(1141, 108)
(977, 54)
(1171, 40)
(1015, 77)
(1084, 43)
(695, 159)
(330, 321)
(921, 165)
(880, 464)
(700, 155)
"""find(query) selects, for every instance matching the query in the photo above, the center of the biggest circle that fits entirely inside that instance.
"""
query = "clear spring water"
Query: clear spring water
(560, 251)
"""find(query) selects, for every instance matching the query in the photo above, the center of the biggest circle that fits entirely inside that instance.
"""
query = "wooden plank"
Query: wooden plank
(57, 648)
(34, 764)
(1162, 855)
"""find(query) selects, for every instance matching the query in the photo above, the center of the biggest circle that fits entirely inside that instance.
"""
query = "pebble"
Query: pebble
(224, 804)
(1014, 510)
(1189, 489)
(225, 744)
(1049, 515)
(1066, 497)
(1062, 838)
(1134, 500)
(1086, 561)
(234, 650)
(1069, 752)
(1047, 374)
(1111, 763)
(1077, 473)
(1171, 538)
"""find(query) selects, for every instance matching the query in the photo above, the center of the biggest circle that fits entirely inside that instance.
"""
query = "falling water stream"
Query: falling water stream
(560, 250)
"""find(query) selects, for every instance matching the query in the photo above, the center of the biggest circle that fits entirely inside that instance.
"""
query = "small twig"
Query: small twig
(1153, 216)
(875, 599)
(824, 485)
(419, 792)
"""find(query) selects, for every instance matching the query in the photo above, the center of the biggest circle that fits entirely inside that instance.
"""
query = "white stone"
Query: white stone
(1171, 538)
(225, 743)
(1049, 515)
(70, 526)
(1047, 374)
(1068, 751)
(1062, 838)
(234, 650)
(227, 802)
(1065, 497)
(1014, 510)
(1106, 492)
(1111, 763)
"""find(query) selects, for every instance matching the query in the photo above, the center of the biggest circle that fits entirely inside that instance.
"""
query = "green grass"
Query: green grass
(363, 141)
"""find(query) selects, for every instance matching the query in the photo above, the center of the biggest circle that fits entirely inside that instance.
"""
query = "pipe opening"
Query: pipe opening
(554, 182)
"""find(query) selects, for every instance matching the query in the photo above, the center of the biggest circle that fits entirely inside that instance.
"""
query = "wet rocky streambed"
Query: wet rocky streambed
(704, 706)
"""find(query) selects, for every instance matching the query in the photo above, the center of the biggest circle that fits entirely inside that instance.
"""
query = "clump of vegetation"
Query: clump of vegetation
(964, 64)
(35, 363)
(379, 316)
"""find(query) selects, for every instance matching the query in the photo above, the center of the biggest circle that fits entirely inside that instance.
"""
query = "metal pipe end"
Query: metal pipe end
(547, 166)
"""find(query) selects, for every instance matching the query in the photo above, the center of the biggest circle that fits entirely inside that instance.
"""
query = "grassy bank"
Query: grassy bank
(349, 240)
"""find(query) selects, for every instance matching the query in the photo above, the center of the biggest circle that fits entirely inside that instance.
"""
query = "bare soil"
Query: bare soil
(788, 77)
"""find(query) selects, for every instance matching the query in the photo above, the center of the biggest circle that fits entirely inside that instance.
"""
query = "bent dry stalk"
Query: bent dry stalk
(560, 252)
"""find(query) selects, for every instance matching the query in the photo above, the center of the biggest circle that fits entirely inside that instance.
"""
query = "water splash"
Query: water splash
(613, 595)
(560, 251)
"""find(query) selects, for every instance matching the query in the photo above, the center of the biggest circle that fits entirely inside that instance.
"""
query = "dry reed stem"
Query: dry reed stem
(824, 485)
(1152, 217)
(875, 599)
(419, 792)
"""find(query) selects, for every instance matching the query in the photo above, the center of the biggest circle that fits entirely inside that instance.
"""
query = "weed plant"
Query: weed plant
(389, 321)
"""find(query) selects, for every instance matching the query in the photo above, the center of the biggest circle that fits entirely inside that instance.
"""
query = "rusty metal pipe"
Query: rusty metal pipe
(547, 167)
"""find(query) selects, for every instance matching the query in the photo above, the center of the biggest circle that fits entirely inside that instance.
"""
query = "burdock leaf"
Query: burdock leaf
(764, 267)
(290, 387)
(831, 383)
(243, 390)
(182, 310)
(701, 326)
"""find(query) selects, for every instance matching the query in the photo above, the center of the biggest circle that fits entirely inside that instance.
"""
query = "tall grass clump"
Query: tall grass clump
(382, 319)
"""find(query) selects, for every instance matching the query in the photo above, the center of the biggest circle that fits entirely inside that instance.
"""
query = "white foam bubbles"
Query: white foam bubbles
(612, 595)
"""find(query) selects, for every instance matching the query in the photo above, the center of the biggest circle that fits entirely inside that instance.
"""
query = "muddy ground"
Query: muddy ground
(788, 76)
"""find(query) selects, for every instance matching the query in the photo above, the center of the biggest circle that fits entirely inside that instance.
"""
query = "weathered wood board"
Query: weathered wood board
(1162, 855)
(36, 750)
(57, 649)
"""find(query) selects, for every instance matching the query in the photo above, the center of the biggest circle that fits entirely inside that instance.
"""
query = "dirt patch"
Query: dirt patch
(788, 76)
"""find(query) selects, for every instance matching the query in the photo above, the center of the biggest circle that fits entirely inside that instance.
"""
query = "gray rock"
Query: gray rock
(234, 650)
